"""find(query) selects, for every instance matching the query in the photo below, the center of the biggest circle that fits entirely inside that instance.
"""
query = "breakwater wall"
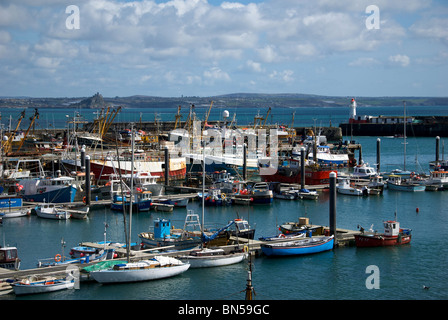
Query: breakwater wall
(395, 129)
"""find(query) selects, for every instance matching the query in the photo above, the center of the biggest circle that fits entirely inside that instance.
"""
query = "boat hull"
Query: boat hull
(117, 276)
(137, 206)
(62, 215)
(213, 261)
(63, 195)
(312, 177)
(103, 169)
(365, 240)
(300, 247)
(42, 286)
(407, 188)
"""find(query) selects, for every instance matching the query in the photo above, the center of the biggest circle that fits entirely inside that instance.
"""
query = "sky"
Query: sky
(75, 48)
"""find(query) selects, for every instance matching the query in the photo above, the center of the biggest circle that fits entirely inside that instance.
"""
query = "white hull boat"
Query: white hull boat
(206, 258)
(27, 287)
(50, 211)
(15, 213)
(158, 268)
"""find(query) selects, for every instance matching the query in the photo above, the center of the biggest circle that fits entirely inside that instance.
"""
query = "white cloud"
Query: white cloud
(254, 66)
(215, 73)
(435, 28)
(364, 62)
(176, 41)
(400, 60)
(284, 76)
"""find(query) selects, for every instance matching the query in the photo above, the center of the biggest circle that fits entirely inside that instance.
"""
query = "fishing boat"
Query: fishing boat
(289, 171)
(165, 235)
(257, 193)
(215, 198)
(51, 211)
(345, 187)
(325, 155)
(144, 181)
(299, 247)
(241, 228)
(397, 183)
(142, 200)
(393, 235)
(301, 226)
(28, 286)
(9, 258)
(157, 268)
(50, 189)
(143, 162)
(363, 171)
(439, 178)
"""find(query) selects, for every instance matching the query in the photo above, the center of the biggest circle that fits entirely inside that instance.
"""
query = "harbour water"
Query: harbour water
(339, 274)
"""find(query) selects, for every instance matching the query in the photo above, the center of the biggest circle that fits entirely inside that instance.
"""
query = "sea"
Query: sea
(417, 271)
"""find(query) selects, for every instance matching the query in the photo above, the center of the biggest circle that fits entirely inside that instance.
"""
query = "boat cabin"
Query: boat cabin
(162, 228)
(9, 258)
(242, 225)
(364, 171)
(391, 228)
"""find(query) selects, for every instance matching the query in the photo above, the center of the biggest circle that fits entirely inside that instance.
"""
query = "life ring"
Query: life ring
(245, 249)
(281, 235)
(84, 200)
(223, 196)
(57, 258)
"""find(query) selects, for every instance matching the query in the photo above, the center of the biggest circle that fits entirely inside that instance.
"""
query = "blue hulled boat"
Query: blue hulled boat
(396, 183)
(299, 247)
(142, 201)
(50, 190)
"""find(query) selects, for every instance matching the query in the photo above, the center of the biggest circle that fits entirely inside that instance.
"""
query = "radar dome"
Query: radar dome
(225, 114)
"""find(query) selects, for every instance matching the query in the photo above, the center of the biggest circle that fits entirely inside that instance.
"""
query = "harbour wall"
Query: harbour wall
(394, 129)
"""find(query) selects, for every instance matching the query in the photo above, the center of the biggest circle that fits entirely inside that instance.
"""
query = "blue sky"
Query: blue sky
(204, 48)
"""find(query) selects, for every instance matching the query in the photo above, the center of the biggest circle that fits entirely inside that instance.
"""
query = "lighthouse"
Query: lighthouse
(353, 109)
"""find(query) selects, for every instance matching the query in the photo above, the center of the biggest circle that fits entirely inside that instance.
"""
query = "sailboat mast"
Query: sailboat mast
(132, 188)
(404, 135)
(203, 192)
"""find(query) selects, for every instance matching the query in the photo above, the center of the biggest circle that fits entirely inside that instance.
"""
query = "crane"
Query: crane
(267, 115)
(178, 116)
(208, 113)
(36, 116)
(8, 143)
(109, 121)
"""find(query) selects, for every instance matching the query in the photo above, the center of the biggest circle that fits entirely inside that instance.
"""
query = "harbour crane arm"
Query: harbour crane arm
(111, 120)
(178, 116)
(8, 144)
(267, 115)
(36, 116)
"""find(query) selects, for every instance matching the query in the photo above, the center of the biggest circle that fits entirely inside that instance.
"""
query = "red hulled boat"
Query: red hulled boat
(393, 235)
(289, 171)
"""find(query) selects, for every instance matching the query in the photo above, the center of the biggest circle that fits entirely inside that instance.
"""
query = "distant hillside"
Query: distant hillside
(255, 100)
